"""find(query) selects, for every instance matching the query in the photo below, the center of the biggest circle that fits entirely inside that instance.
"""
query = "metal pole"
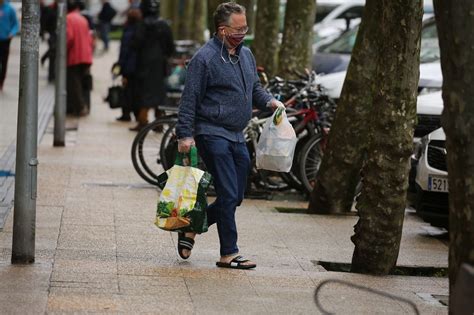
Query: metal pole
(60, 105)
(24, 219)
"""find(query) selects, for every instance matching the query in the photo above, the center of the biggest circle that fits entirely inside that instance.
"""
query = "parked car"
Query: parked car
(428, 108)
(432, 198)
(335, 16)
(335, 56)
(431, 80)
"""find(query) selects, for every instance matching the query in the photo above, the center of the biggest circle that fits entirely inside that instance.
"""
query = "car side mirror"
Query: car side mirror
(349, 16)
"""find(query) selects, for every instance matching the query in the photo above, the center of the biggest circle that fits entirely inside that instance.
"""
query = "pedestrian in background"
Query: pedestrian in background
(153, 43)
(132, 4)
(128, 65)
(79, 60)
(8, 29)
(106, 15)
(48, 19)
(216, 105)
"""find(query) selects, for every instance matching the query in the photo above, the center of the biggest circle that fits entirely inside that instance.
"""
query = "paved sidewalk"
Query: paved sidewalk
(8, 122)
(97, 250)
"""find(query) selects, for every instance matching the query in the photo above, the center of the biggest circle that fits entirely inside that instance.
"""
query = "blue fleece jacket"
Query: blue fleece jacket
(218, 96)
(8, 21)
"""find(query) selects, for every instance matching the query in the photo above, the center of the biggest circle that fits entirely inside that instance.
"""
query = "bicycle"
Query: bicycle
(146, 154)
(153, 152)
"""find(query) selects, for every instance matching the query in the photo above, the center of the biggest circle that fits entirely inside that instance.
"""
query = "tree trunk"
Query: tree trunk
(250, 13)
(211, 8)
(265, 44)
(381, 207)
(169, 10)
(190, 19)
(339, 172)
(199, 21)
(455, 23)
(295, 52)
(166, 9)
(184, 18)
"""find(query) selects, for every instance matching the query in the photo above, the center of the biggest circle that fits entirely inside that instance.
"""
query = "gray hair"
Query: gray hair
(224, 11)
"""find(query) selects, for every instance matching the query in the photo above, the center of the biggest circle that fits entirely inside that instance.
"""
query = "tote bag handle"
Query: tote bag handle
(192, 155)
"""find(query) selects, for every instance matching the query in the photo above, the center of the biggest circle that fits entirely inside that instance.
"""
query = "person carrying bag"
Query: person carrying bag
(182, 204)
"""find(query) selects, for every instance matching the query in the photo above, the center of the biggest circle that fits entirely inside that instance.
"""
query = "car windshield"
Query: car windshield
(352, 12)
(322, 11)
(343, 44)
(429, 43)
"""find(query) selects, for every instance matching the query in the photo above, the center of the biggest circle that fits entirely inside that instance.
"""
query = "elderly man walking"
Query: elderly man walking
(216, 105)
(8, 29)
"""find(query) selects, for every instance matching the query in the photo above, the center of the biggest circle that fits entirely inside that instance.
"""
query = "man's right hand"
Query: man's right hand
(185, 144)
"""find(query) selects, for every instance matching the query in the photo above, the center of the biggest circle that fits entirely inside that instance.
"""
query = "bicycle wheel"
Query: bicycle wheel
(263, 179)
(169, 147)
(310, 161)
(145, 150)
(292, 178)
(137, 165)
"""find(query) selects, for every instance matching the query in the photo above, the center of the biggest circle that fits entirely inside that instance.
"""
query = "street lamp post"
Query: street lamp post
(60, 83)
(24, 219)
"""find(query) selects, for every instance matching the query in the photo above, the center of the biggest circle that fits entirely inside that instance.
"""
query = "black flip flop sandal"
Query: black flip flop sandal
(236, 263)
(184, 243)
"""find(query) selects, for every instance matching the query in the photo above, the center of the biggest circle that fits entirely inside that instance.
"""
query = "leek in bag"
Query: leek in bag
(182, 203)
(276, 146)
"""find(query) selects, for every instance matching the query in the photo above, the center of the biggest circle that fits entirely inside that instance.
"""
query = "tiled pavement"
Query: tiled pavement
(8, 123)
(97, 250)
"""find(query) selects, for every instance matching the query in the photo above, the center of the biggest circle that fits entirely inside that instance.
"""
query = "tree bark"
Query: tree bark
(166, 9)
(381, 207)
(169, 10)
(295, 52)
(184, 18)
(199, 21)
(265, 44)
(190, 18)
(455, 22)
(339, 172)
(250, 13)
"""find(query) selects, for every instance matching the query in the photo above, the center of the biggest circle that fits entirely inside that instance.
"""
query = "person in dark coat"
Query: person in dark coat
(106, 15)
(48, 19)
(153, 43)
(128, 65)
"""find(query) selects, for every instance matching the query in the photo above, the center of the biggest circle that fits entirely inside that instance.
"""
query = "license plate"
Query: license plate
(439, 184)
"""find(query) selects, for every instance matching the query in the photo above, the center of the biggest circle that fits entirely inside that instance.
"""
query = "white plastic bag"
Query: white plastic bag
(276, 146)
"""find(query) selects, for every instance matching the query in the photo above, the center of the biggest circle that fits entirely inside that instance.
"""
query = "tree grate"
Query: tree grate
(410, 271)
(305, 211)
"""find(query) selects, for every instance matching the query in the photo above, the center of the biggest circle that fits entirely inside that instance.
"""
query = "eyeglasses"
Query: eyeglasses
(242, 30)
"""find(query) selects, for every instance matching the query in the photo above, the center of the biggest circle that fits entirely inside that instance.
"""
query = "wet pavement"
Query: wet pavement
(8, 122)
(97, 250)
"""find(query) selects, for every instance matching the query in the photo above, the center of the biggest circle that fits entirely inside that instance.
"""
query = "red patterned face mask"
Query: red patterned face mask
(234, 40)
